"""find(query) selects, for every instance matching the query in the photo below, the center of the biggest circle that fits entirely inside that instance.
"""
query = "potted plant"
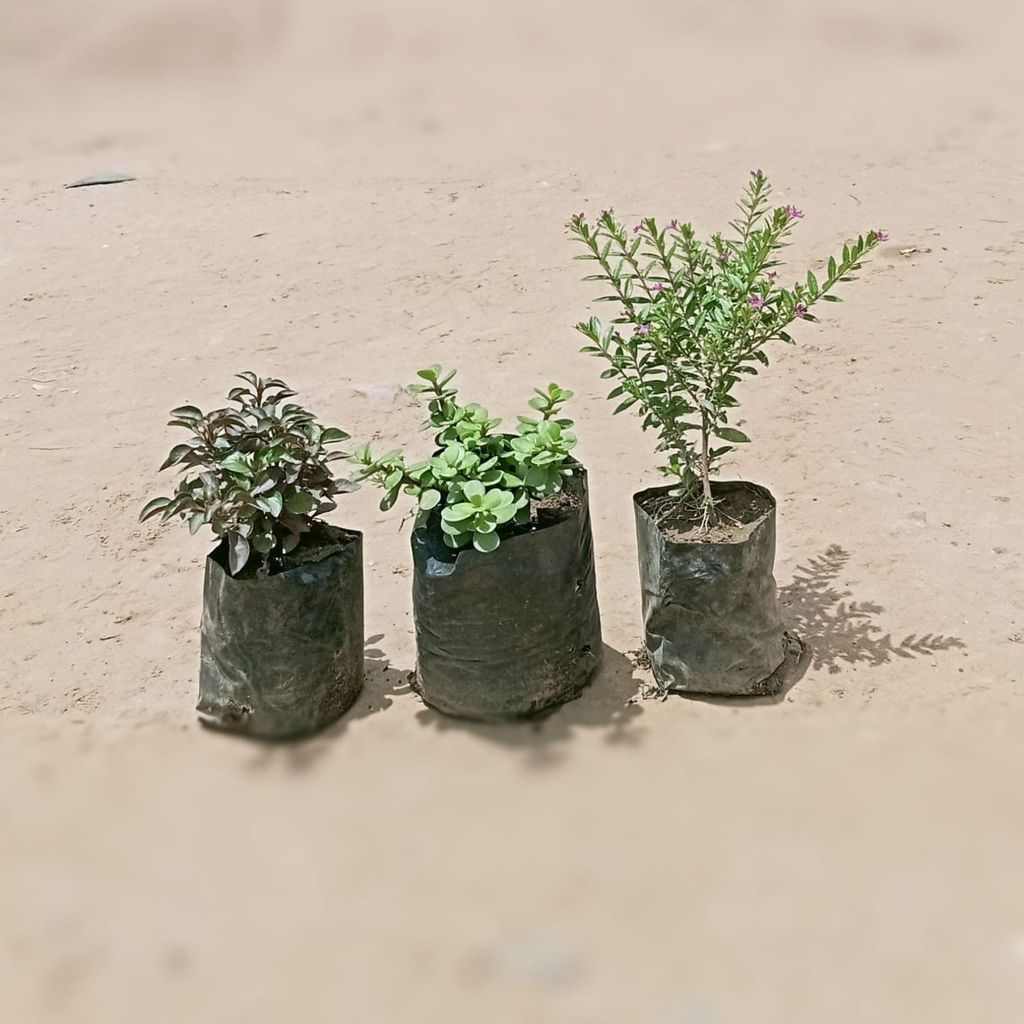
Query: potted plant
(504, 596)
(693, 319)
(282, 629)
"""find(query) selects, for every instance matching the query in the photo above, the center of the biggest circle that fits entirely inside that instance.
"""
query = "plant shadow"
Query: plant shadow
(381, 684)
(609, 703)
(826, 631)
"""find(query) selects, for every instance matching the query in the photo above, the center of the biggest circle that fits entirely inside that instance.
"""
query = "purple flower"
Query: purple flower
(674, 224)
(724, 256)
(882, 236)
(772, 274)
(756, 301)
(657, 287)
(801, 311)
(638, 229)
(757, 174)
(793, 213)
(643, 330)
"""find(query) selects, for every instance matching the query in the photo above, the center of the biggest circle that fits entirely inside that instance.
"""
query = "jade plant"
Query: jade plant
(694, 317)
(262, 473)
(479, 482)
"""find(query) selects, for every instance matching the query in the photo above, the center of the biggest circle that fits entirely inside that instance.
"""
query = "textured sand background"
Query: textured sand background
(339, 193)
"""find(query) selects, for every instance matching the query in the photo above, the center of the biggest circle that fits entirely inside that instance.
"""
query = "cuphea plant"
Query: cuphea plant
(694, 318)
(263, 472)
(478, 481)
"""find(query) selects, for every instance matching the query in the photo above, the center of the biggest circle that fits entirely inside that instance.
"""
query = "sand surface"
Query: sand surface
(339, 193)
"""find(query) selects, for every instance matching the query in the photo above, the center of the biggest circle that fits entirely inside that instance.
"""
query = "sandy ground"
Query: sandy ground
(341, 193)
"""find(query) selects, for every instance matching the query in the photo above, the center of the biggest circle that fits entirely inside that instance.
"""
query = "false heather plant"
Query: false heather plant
(694, 318)
(263, 472)
(478, 482)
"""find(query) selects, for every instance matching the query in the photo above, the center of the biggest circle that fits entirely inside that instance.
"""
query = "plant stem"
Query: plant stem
(709, 518)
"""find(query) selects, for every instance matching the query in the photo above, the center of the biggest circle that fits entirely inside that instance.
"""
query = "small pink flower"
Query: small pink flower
(772, 274)
(657, 287)
(793, 213)
(638, 229)
(756, 302)
(757, 174)
(674, 224)
(882, 236)
(644, 330)
(724, 256)
(801, 311)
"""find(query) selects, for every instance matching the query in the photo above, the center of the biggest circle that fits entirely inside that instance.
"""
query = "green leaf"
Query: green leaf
(496, 499)
(177, 453)
(429, 499)
(263, 542)
(332, 435)
(536, 476)
(731, 434)
(237, 465)
(458, 512)
(238, 553)
(195, 522)
(504, 514)
(299, 503)
(187, 412)
(473, 489)
(151, 508)
(272, 503)
(486, 542)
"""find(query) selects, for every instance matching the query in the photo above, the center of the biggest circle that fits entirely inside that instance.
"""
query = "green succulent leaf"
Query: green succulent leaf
(480, 480)
(458, 512)
(430, 498)
(486, 542)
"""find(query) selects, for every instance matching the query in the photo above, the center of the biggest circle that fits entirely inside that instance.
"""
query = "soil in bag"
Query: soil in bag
(513, 632)
(712, 623)
(282, 653)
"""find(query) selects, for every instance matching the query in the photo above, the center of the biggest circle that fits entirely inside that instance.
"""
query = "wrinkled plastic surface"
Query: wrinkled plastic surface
(712, 623)
(508, 633)
(282, 655)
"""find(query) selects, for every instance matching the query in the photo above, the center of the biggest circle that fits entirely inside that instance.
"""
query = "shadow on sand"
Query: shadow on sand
(826, 630)
(607, 704)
